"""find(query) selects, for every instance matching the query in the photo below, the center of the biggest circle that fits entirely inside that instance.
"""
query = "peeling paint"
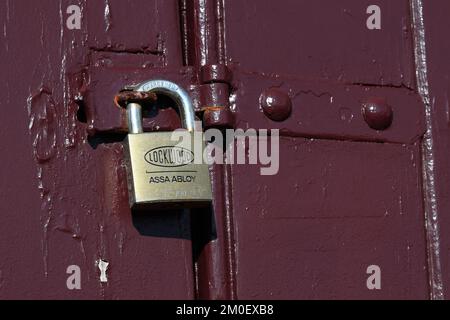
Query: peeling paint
(6, 26)
(431, 210)
(108, 16)
(103, 267)
(203, 23)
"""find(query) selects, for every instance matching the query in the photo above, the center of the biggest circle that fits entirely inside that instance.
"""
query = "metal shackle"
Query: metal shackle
(171, 90)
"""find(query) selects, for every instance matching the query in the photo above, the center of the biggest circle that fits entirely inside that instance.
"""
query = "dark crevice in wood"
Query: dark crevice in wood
(137, 51)
(106, 138)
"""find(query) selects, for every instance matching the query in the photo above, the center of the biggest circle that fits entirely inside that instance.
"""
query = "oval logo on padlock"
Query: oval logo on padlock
(169, 157)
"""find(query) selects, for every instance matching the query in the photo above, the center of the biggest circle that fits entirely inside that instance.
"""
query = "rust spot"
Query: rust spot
(218, 117)
(125, 97)
(212, 108)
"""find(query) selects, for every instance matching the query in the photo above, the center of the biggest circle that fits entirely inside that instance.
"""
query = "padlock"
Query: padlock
(161, 172)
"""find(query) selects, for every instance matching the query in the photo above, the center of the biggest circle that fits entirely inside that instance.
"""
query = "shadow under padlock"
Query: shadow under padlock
(162, 170)
(197, 225)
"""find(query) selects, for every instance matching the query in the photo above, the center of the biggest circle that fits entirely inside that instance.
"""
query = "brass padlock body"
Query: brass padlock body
(162, 175)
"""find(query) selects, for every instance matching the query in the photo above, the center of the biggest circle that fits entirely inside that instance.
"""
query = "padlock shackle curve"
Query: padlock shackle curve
(178, 94)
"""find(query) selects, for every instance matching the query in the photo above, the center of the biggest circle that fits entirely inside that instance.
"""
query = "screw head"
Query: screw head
(377, 114)
(276, 104)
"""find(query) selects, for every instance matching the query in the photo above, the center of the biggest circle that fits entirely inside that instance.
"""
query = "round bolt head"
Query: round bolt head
(377, 114)
(276, 104)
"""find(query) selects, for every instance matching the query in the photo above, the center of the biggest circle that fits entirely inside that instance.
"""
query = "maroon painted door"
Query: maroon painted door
(354, 191)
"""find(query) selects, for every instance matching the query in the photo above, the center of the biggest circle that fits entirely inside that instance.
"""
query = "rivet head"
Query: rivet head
(276, 104)
(377, 114)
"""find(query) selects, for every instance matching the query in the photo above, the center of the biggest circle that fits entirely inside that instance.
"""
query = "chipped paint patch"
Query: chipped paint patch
(428, 155)
(103, 266)
(107, 16)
